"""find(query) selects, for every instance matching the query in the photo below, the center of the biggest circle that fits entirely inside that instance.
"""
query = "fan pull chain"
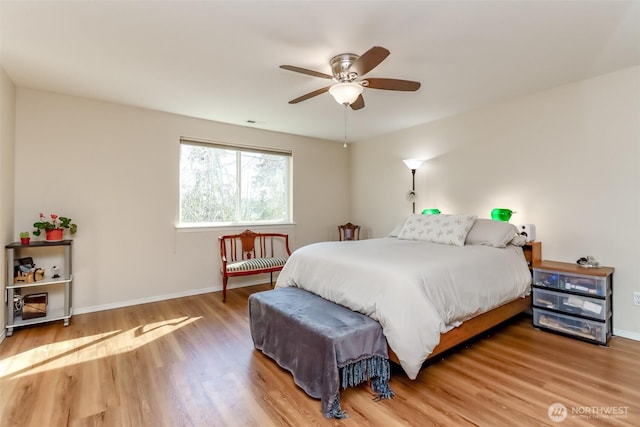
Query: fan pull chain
(345, 126)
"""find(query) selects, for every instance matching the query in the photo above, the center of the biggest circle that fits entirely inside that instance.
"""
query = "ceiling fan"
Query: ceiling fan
(348, 70)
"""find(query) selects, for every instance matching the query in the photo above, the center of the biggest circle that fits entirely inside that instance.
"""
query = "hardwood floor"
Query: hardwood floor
(191, 362)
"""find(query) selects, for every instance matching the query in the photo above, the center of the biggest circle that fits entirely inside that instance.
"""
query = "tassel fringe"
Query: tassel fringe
(375, 368)
(335, 411)
(381, 387)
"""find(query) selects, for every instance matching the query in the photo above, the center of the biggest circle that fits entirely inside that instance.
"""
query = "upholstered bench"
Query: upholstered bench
(250, 253)
(324, 345)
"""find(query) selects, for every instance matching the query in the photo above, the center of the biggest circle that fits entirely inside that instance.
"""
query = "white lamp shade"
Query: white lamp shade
(345, 93)
(413, 163)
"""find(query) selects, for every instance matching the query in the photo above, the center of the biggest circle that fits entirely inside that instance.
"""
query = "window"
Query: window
(228, 184)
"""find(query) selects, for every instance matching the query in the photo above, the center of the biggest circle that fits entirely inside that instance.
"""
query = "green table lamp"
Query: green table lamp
(501, 214)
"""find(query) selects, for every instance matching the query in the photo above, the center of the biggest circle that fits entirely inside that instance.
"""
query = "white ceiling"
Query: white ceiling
(219, 60)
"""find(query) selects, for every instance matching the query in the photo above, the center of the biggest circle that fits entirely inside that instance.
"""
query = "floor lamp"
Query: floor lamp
(413, 164)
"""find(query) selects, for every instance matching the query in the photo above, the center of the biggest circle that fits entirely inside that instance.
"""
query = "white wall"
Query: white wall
(114, 170)
(567, 160)
(7, 139)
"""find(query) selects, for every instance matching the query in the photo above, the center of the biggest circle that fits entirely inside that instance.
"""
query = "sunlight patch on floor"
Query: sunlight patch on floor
(78, 350)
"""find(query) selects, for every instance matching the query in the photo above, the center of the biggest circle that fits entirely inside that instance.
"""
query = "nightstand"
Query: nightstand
(573, 300)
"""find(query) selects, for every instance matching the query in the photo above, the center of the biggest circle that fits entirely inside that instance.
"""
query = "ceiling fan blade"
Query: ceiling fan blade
(393, 84)
(358, 103)
(309, 95)
(305, 71)
(369, 60)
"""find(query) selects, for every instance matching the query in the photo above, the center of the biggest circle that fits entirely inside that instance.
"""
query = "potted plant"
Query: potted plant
(24, 238)
(54, 228)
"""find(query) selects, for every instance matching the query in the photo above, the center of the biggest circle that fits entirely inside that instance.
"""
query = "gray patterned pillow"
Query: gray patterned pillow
(447, 229)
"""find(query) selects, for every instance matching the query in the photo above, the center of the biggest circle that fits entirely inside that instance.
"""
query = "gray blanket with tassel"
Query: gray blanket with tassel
(324, 345)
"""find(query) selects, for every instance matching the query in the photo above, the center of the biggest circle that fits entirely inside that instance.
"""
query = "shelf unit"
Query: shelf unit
(573, 300)
(16, 250)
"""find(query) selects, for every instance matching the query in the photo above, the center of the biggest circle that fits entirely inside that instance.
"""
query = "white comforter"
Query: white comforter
(416, 290)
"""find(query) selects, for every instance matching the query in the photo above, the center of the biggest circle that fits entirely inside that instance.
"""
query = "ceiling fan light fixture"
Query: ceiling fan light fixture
(345, 93)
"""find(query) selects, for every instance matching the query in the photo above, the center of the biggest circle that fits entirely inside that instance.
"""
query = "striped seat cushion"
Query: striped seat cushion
(256, 264)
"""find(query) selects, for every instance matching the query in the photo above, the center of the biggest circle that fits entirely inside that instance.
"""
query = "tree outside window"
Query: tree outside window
(222, 185)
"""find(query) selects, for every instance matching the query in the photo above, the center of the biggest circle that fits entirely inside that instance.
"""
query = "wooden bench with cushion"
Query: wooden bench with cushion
(250, 253)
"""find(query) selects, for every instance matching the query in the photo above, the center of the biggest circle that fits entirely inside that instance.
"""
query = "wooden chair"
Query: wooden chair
(252, 253)
(349, 231)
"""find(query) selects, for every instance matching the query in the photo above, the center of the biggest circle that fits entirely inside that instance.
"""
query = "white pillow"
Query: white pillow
(493, 233)
(443, 228)
(396, 230)
(518, 240)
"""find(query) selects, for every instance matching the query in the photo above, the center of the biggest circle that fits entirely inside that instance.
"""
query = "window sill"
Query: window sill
(181, 228)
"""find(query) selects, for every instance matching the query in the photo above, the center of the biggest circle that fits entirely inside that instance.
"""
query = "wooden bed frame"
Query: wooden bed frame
(479, 324)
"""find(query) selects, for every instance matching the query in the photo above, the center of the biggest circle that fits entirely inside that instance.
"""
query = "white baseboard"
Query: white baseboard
(120, 304)
(128, 303)
(626, 334)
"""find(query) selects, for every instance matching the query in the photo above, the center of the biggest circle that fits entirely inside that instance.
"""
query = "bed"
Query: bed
(432, 283)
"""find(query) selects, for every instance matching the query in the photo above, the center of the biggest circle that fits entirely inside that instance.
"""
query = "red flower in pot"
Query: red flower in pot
(54, 228)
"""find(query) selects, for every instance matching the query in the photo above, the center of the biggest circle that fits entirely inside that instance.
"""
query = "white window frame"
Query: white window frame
(238, 149)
